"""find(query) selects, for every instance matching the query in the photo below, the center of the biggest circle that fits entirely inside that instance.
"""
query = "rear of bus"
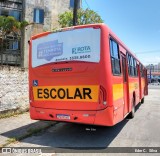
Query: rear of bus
(67, 76)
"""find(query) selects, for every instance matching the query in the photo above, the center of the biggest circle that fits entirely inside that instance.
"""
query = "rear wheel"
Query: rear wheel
(142, 101)
(132, 113)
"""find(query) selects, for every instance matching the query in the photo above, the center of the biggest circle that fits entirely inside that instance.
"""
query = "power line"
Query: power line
(151, 51)
(87, 4)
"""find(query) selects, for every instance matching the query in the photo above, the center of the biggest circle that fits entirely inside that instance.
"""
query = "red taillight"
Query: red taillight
(102, 98)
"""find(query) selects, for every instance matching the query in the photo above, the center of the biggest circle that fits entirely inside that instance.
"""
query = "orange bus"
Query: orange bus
(84, 74)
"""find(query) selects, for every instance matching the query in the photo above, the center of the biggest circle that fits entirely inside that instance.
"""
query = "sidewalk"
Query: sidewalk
(20, 126)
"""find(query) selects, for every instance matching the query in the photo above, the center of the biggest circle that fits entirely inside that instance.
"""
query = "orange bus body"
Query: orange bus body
(81, 91)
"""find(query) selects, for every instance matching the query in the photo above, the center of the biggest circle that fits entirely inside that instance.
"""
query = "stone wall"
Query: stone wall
(13, 88)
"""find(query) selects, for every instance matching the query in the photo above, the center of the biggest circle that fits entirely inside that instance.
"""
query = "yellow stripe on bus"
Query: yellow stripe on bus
(118, 90)
(133, 86)
(143, 83)
(87, 93)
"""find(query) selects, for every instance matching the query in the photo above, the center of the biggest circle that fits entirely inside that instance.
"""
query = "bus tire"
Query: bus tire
(142, 100)
(132, 113)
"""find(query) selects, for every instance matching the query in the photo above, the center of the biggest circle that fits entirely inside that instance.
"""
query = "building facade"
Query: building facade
(153, 72)
(42, 16)
(10, 45)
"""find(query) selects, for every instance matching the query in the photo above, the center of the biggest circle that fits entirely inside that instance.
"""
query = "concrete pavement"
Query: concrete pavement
(20, 126)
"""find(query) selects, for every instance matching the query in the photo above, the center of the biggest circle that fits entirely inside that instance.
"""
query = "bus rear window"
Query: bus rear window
(73, 45)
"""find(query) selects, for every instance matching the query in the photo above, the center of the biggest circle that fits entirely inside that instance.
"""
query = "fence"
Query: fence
(10, 51)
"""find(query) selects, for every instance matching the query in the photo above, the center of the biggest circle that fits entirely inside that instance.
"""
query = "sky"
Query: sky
(135, 22)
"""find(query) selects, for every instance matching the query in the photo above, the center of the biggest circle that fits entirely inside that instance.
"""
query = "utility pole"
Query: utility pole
(76, 4)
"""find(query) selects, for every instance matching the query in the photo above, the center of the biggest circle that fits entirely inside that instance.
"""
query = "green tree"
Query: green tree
(84, 17)
(11, 25)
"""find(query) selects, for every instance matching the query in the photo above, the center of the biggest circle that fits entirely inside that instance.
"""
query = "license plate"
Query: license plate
(62, 116)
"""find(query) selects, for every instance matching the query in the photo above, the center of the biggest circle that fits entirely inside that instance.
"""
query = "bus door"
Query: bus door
(146, 83)
(125, 85)
(139, 76)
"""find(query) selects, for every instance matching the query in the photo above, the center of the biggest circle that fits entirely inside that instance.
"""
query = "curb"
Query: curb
(29, 132)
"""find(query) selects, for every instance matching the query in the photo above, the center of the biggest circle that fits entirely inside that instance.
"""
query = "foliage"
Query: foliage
(84, 17)
(11, 25)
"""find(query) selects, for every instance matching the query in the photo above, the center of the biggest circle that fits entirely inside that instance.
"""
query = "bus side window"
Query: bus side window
(132, 65)
(115, 59)
(129, 60)
(135, 68)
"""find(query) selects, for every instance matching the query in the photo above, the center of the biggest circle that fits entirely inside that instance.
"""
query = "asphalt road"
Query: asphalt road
(142, 131)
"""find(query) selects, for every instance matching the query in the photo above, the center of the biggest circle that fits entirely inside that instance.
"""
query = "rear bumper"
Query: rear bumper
(103, 117)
